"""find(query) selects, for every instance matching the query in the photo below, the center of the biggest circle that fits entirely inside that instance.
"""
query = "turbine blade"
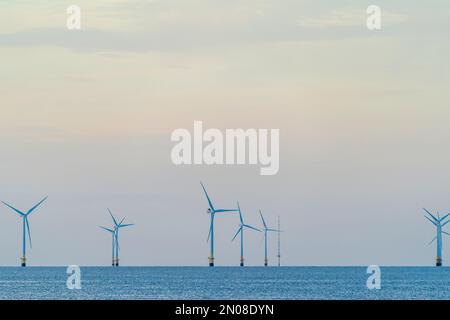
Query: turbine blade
(262, 218)
(11, 207)
(430, 220)
(240, 213)
(207, 197)
(226, 210)
(126, 225)
(443, 219)
(37, 205)
(28, 229)
(209, 233)
(273, 230)
(247, 226)
(446, 233)
(112, 231)
(114, 219)
(239, 230)
(432, 241)
(434, 218)
(445, 223)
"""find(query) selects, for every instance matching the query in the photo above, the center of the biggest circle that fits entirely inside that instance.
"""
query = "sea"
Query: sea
(224, 283)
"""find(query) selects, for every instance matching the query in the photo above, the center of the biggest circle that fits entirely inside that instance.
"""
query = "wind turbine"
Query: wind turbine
(117, 226)
(266, 230)
(25, 228)
(439, 223)
(279, 244)
(113, 234)
(240, 230)
(212, 212)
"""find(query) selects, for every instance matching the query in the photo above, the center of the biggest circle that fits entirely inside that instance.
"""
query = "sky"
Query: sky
(86, 118)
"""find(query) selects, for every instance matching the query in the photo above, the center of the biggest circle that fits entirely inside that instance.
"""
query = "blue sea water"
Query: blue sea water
(225, 283)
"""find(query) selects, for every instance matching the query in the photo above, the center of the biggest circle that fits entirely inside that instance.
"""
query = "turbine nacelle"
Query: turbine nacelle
(437, 221)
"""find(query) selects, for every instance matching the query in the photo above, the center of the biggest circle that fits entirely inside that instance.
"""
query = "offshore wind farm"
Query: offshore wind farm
(165, 282)
(117, 224)
(438, 221)
(258, 149)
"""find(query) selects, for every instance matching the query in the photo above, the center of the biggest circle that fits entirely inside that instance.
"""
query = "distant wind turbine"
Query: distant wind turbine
(439, 223)
(279, 244)
(117, 226)
(240, 230)
(212, 212)
(266, 230)
(25, 228)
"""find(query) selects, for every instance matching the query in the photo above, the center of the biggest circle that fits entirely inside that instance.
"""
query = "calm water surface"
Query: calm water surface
(225, 283)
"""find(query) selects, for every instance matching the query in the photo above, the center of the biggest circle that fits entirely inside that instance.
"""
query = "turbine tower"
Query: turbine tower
(279, 243)
(25, 228)
(212, 212)
(113, 234)
(117, 226)
(439, 223)
(240, 230)
(266, 230)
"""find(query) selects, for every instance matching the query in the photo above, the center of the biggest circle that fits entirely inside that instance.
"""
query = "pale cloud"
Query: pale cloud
(25, 15)
(174, 25)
